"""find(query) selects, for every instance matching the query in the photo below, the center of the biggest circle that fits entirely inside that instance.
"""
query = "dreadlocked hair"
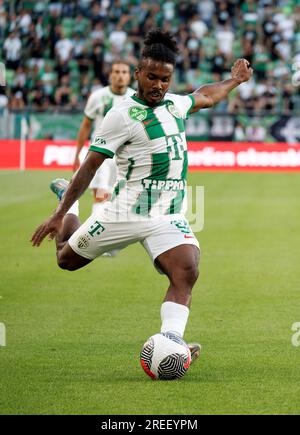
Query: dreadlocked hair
(160, 46)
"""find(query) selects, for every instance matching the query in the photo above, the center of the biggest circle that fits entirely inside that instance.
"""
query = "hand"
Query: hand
(50, 227)
(76, 164)
(241, 70)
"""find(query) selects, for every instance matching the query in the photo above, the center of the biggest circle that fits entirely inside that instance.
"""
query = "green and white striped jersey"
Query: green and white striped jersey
(101, 101)
(151, 155)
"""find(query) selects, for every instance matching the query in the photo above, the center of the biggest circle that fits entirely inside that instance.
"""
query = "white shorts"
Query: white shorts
(105, 176)
(96, 236)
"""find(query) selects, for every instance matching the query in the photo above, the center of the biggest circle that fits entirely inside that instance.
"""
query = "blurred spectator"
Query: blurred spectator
(12, 51)
(246, 92)
(261, 61)
(117, 38)
(64, 96)
(24, 21)
(97, 34)
(219, 63)
(84, 6)
(18, 98)
(39, 100)
(36, 52)
(186, 10)
(97, 59)
(39, 28)
(55, 32)
(236, 104)
(44, 41)
(239, 133)
(288, 98)
(206, 9)
(248, 51)
(285, 23)
(255, 132)
(250, 13)
(48, 78)
(250, 33)
(84, 61)
(79, 44)
(3, 99)
(81, 25)
(55, 7)
(62, 68)
(223, 13)
(85, 88)
(225, 38)
(3, 19)
(12, 23)
(20, 77)
(95, 14)
(268, 98)
(63, 49)
(193, 54)
(169, 10)
(198, 26)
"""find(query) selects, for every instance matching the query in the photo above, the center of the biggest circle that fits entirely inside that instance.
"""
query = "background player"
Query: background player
(98, 104)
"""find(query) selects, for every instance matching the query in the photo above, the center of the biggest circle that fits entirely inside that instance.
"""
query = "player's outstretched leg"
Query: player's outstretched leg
(180, 264)
(66, 257)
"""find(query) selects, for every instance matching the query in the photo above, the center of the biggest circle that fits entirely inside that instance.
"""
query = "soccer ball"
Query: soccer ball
(165, 356)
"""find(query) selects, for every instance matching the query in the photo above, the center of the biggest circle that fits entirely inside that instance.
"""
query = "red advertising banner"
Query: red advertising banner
(241, 156)
(234, 156)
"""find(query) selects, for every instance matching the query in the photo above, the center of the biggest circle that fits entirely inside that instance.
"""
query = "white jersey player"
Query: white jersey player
(146, 133)
(98, 104)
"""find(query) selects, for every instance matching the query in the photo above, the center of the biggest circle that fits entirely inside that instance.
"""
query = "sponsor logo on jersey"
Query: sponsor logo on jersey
(137, 114)
(173, 185)
(183, 227)
(148, 122)
(98, 140)
(96, 229)
(173, 110)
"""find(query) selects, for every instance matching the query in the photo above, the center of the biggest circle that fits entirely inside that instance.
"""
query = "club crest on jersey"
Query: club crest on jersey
(82, 242)
(173, 110)
(137, 114)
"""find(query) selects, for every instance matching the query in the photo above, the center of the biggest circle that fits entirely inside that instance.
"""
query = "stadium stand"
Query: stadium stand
(56, 53)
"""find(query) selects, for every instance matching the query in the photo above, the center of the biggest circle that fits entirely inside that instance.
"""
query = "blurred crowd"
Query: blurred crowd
(57, 52)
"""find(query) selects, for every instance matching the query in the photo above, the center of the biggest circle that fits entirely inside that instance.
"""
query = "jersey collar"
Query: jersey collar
(138, 100)
(118, 95)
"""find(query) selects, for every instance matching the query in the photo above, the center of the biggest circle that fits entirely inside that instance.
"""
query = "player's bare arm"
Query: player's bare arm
(76, 188)
(83, 135)
(209, 95)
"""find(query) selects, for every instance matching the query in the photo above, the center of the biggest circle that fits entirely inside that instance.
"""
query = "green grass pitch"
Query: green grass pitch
(74, 338)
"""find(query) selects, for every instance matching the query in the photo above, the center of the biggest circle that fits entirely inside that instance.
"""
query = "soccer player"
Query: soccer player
(146, 132)
(96, 108)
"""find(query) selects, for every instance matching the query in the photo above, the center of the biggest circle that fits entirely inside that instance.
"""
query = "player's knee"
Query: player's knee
(188, 274)
(66, 264)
